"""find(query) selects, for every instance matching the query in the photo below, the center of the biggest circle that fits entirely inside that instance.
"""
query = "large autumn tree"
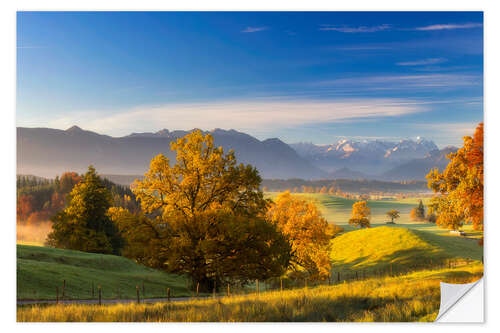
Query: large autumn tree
(309, 232)
(204, 216)
(460, 185)
(84, 224)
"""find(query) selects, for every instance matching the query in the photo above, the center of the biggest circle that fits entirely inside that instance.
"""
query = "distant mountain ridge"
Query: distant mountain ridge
(417, 169)
(47, 152)
(370, 157)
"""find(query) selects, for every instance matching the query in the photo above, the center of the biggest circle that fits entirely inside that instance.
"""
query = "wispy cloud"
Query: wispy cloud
(459, 44)
(243, 115)
(402, 82)
(359, 29)
(449, 26)
(423, 62)
(254, 29)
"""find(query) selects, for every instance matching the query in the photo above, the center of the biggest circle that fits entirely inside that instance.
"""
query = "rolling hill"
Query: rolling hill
(378, 248)
(41, 269)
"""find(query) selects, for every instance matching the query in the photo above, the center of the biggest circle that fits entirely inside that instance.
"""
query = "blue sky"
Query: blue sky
(314, 76)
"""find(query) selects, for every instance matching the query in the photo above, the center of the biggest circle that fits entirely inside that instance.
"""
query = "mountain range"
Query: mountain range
(47, 152)
(366, 156)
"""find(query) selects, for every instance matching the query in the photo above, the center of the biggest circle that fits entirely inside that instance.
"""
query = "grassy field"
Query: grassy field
(41, 269)
(379, 250)
(412, 297)
(338, 209)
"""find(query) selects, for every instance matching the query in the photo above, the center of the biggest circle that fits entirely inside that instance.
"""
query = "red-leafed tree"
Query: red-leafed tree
(460, 185)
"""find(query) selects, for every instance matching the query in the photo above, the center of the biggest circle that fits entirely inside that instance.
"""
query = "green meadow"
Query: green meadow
(338, 209)
(40, 270)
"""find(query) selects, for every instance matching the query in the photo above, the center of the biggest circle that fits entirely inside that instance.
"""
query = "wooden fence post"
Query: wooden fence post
(99, 290)
(138, 299)
(197, 288)
(168, 294)
(63, 289)
(257, 285)
(228, 290)
(281, 284)
(57, 295)
(143, 290)
(338, 276)
(93, 290)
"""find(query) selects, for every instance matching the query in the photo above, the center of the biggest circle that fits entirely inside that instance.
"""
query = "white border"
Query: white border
(492, 110)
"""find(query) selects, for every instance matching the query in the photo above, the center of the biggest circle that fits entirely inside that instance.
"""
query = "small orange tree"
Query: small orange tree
(308, 231)
(361, 214)
(418, 213)
(393, 214)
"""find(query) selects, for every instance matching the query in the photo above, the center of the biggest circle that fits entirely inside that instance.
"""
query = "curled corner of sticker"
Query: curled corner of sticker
(462, 303)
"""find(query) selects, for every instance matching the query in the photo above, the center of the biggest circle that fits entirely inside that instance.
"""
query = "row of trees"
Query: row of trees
(204, 216)
(39, 199)
(375, 187)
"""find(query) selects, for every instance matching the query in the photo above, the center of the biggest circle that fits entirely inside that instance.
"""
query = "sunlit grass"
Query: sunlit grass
(413, 297)
(382, 250)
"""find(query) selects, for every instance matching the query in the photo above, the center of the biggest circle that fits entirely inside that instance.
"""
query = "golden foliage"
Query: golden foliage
(203, 178)
(360, 215)
(206, 217)
(460, 185)
(309, 232)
